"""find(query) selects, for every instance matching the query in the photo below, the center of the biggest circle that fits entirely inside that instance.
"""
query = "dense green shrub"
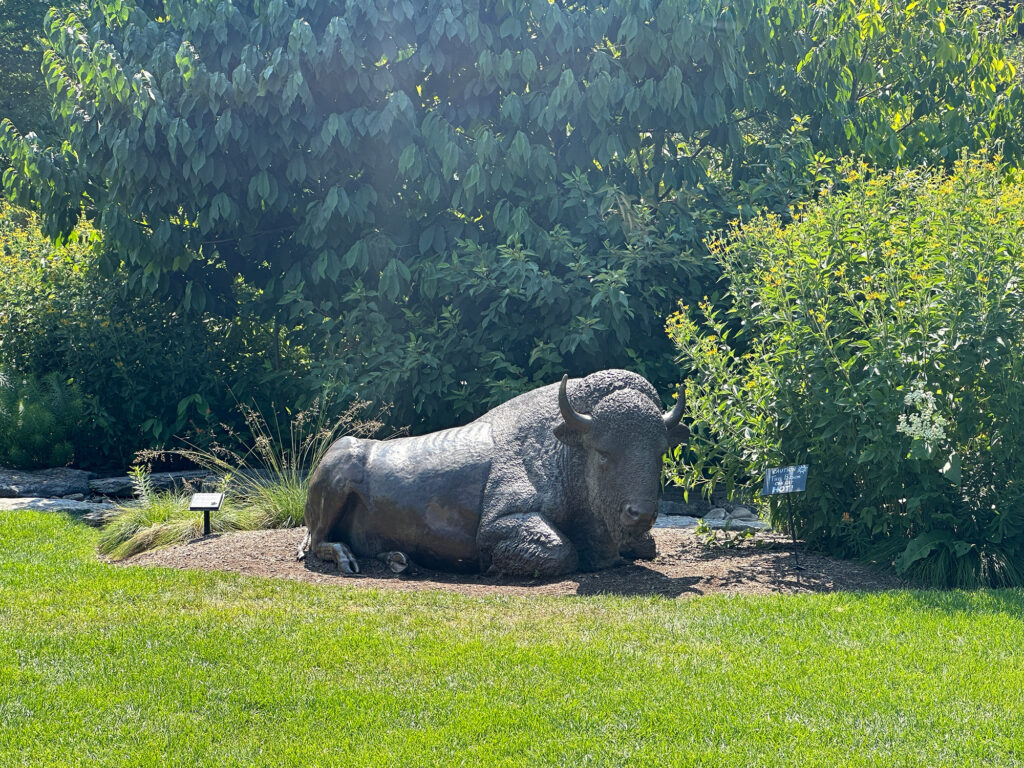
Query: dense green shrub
(40, 421)
(449, 201)
(145, 371)
(880, 339)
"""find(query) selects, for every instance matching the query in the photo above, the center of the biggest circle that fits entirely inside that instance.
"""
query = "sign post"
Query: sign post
(787, 480)
(206, 503)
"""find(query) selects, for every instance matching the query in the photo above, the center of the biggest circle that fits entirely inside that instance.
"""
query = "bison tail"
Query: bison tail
(304, 546)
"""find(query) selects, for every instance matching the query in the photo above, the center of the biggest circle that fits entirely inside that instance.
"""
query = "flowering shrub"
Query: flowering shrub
(880, 339)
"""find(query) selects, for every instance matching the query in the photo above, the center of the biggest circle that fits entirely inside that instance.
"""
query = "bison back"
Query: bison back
(422, 496)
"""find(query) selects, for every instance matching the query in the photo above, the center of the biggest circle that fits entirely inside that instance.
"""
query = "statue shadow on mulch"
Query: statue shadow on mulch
(628, 580)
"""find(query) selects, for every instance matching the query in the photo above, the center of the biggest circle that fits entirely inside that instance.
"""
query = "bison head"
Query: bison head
(620, 445)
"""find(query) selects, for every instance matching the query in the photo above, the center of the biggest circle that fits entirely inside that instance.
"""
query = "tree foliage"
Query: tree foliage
(449, 201)
(23, 96)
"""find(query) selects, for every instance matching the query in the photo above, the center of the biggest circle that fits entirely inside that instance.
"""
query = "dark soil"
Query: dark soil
(685, 567)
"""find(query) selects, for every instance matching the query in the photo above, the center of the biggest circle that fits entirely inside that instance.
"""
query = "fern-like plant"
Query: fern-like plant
(39, 420)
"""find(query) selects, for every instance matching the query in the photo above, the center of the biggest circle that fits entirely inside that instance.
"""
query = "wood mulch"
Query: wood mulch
(685, 567)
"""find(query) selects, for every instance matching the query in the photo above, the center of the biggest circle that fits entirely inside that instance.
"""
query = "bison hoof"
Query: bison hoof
(395, 561)
(346, 560)
(339, 553)
(641, 548)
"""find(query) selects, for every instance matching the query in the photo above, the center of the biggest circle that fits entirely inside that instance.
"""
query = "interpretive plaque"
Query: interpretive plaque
(206, 503)
(203, 501)
(787, 480)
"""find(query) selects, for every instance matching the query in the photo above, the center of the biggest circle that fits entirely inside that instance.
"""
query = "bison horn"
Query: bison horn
(574, 420)
(673, 417)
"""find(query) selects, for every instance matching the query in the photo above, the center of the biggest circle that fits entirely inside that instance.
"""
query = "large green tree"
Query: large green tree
(23, 96)
(451, 200)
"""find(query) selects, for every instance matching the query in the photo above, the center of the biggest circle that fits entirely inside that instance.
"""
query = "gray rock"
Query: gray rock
(697, 508)
(676, 521)
(47, 483)
(90, 513)
(75, 497)
(111, 486)
(718, 513)
(743, 513)
(166, 481)
(121, 487)
(737, 525)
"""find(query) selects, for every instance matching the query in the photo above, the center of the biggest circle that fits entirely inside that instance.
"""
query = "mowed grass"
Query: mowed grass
(106, 665)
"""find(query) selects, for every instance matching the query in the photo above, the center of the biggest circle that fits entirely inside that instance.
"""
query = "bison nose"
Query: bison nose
(640, 514)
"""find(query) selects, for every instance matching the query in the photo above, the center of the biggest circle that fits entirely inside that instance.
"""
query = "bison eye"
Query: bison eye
(602, 457)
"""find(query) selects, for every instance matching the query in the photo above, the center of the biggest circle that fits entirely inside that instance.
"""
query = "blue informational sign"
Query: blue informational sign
(785, 480)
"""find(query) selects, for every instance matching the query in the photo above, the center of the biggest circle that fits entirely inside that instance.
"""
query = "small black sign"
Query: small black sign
(785, 480)
(206, 501)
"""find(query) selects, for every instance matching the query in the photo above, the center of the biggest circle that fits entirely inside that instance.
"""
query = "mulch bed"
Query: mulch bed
(685, 567)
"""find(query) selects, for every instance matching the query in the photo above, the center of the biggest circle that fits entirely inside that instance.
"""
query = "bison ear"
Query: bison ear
(569, 436)
(678, 435)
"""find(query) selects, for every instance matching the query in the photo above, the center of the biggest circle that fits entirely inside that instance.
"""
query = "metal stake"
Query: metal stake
(792, 530)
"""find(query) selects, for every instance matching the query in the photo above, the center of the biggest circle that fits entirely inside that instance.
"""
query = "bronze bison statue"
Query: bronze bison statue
(561, 478)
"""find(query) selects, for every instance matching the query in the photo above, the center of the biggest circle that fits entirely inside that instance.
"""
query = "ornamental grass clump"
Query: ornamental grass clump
(880, 339)
(264, 484)
(158, 518)
(269, 476)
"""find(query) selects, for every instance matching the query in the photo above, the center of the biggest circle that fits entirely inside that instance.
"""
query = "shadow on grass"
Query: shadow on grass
(83, 517)
(1005, 601)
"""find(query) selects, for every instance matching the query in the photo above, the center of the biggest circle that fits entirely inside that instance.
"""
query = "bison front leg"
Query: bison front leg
(525, 544)
(640, 547)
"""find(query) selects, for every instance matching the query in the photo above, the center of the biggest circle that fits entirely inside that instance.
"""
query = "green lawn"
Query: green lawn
(103, 665)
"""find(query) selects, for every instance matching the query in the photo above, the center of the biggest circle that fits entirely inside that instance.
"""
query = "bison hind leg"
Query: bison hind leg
(339, 553)
(304, 546)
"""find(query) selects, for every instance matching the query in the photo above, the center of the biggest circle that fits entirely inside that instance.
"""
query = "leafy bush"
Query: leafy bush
(39, 421)
(450, 201)
(880, 339)
(145, 371)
